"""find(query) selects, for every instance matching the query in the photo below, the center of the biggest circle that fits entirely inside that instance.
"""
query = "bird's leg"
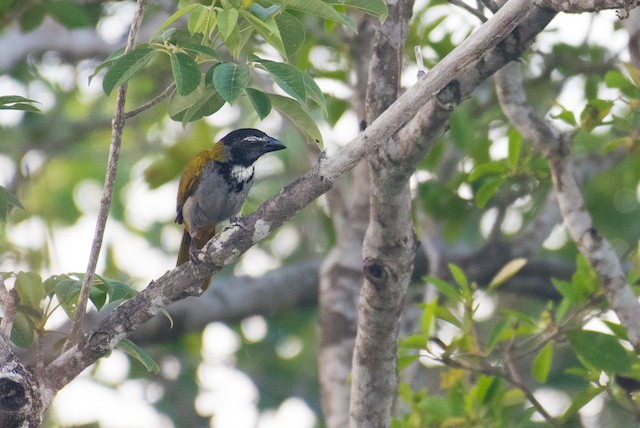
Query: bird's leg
(193, 252)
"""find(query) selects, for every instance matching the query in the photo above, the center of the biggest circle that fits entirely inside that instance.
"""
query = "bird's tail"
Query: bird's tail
(185, 244)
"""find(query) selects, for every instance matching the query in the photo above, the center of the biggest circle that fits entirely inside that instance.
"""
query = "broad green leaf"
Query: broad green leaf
(427, 317)
(230, 80)
(202, 102)
(287, 77)
(291, 32)
(581, 399)
(507, 272)
(125, 67)
(615, 79)
(268, 30)
(377, 8)
(617, 329)
(488, 168)
(202, 20)
(203, 51)
(314, 92)
(136, 352)
(314, 7)
(594, 113)
(566, 116)
(602, 351)
(542, 363)
(459, 276)
(7, 199)
(226, 22)
(67, 291)
(294, 112)
(69, 14)
(405, 361)
(444, 288)
(416, 341)
(633, 72)
(177, 15)
(16, 102)
(30, 289)
(22, 332)
(109, 60)
(32, 18)
(186, 72)
(487, 190)
(515, 147)
(260, 102)
(239, 38)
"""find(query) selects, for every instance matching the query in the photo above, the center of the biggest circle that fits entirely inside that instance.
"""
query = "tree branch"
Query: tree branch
(591, 244)
(581, 6)
(105, 202)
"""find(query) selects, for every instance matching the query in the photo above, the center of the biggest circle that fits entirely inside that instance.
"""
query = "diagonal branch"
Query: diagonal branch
(596, 249)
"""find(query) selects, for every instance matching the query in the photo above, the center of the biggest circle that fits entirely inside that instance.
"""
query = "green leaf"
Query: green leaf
(268, 30)
(615, 79)
(566, 116)
(230, 80)
(67, 291)
(542, 363)
(515, 148)
(602, 351)
(314, 92)
(377, 8)
(16, 102)
(260, 102)
(203, 51)
(177, 15)
(487, 190)
(202, 20)
(125, 67)
(22, 332)
(459, 276)
(226, 22)
(444, 288)
(617, 329)
(30, 289)
(32, 18)
(289, 78)
(68, 14)
(405, 361)
(239, 38)
(427, 317)
(488, 168)
(186, 72)
(136, 352)
(594, 113)
(202, 102)
(7, 199)
(581, 399)
(315, 7)
(294, 112)
(291, 32)
(507, 272)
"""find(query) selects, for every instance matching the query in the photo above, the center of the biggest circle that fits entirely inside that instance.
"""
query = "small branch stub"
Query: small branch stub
(376, 272)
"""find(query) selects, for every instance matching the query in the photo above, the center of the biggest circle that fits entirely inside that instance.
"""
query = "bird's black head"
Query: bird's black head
(244, 146)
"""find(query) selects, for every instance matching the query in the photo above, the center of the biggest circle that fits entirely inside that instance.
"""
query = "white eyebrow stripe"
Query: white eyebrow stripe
(254, 138)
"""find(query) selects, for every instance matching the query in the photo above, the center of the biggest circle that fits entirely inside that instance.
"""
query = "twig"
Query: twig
(9, 300)
(164, 94)
(419, 61)
(112, 167)
(474, 12)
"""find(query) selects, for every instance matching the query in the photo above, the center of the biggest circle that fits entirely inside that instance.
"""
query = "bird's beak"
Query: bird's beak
(274, 145)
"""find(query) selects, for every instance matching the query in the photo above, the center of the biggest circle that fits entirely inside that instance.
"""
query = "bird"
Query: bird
(214, 185)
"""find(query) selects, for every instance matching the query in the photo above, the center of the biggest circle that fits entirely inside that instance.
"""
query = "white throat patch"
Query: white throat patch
(241, 173)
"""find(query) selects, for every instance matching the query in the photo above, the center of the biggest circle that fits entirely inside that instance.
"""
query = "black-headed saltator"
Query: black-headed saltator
(215, 184)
